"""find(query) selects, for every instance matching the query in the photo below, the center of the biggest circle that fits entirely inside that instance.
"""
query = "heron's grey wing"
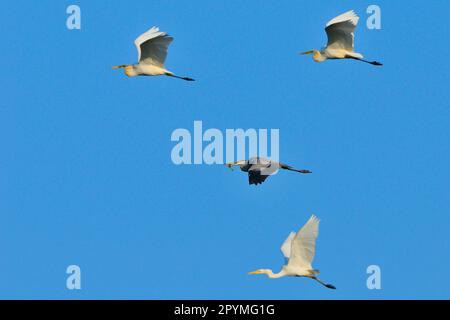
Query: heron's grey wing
(304, 244)
(286, 246)
(340, 31)
(255, 177)
(152, 47)
(258, 160)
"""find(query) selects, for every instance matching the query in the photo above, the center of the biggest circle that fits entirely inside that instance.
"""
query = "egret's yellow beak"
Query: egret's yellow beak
(255, 272)
(308, 52)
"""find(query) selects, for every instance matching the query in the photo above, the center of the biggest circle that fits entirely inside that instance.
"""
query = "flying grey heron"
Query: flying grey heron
(260, 168)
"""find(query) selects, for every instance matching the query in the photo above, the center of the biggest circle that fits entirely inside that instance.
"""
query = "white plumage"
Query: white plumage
(286, 246)
(340, 31)
(152, 47)
(303, 246)
(340, 45)
(299, 250)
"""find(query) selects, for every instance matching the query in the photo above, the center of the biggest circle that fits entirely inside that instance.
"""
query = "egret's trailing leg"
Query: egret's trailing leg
(178, 77)
(375, 63)
(329, 286)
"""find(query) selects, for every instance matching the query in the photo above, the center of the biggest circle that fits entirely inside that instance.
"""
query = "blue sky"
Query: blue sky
(87, 178)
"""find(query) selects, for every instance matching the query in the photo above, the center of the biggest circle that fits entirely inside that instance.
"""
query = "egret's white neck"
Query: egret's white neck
(272, 275)
(132, 71)
(319, 56)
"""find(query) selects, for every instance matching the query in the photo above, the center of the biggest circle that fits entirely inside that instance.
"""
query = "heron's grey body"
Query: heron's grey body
(259, 168)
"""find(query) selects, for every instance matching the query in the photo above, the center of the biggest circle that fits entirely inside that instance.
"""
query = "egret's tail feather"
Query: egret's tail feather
(354, 55)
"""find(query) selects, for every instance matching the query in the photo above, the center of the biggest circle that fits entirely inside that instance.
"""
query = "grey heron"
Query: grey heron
(259, 168)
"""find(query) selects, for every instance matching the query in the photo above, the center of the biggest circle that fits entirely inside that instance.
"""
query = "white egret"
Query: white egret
(299, 249)
(152, 52)
(340, 40)
(260, 168)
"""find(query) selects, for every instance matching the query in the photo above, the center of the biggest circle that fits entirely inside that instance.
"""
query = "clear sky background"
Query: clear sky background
(86, 176)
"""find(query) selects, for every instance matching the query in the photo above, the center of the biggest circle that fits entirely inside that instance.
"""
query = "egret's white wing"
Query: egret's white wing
(304, 244)
(152, 47)
(340, 31)
(286, 246)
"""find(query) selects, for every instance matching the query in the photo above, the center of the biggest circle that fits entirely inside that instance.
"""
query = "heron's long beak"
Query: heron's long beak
(308, 52)
(229, 166)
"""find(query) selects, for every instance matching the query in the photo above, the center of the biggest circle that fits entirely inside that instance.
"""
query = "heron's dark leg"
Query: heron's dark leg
(300, 171)
(286, 167)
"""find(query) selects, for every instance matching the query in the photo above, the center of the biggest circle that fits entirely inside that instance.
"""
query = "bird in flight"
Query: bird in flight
(340, 40)
(260, 168)
(152, 52)
(299, 249)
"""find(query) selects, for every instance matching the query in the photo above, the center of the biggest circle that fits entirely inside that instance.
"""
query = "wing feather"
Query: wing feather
(340, 31)
(304, 244)
(286, 246)
(152, 47)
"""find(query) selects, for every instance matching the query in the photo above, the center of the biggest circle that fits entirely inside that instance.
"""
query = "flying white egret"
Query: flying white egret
(299, 249)
(152, 52)
(260, 168)
(340, 40)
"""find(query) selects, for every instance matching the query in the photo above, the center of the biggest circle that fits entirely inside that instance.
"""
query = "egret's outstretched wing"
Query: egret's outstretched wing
(286, 246)
(152, 47)
(340, 31)
(304, 244)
